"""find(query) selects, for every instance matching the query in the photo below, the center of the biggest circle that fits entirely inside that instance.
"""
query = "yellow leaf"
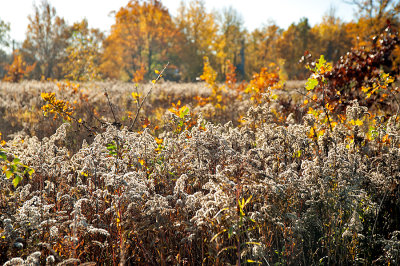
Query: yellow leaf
(358, 122)
(135, 95)
(365, 89)
(311, 132)
(329, 107)
(157, 72)
(153, 81)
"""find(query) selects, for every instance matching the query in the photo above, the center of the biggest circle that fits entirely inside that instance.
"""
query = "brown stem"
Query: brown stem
(145, 97)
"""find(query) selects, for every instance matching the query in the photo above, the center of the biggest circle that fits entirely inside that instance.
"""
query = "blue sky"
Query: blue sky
(255, 13)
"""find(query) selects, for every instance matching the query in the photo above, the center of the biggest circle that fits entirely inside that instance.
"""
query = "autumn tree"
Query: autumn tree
(230, 40)
(261, 48)
(83, 52)
(389, 9)
(143, 35)
(331, 38)
(373, 16)
(46, 40)
(199, 31)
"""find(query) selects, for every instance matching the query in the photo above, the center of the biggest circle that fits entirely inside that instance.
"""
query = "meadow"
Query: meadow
(262, 172)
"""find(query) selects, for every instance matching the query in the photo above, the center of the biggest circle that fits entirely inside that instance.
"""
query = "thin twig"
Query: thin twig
(398, 104)
(83, 123)
(109, 104)
(377, 213)
(145, 97)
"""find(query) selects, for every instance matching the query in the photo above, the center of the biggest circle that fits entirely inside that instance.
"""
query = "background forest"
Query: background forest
(100, 166)
(145, 36)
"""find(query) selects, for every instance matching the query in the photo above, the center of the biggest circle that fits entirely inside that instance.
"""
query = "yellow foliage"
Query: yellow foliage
(209, 74)
(56, 107)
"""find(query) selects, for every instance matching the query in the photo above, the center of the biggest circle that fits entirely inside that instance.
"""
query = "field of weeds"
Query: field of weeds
(263, 172)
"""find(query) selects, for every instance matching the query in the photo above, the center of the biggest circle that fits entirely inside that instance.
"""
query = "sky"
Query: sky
(255, 13)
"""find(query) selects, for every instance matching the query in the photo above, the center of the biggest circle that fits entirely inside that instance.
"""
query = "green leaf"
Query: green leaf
(8, 174)
(111, 147)
(183, 111)
(230, 232)
(321, 62)
(3, 155)
(13, 167)
(16, 161)
(297, 153)
(311, 84)
(29, 171)
(16, 180)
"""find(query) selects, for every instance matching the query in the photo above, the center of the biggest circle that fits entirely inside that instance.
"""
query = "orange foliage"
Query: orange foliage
(138, 76)
(263, 82)
(143, 34)
(230, 75)
(18, 69)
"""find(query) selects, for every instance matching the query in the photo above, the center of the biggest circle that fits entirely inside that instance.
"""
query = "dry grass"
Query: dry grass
(269, 187)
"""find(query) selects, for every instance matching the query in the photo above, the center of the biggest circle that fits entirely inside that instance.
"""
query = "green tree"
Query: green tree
(4, 33)
(199, 31)
(231, 38)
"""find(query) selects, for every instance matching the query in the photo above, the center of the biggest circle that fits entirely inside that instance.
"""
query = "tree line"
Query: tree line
(145, 37)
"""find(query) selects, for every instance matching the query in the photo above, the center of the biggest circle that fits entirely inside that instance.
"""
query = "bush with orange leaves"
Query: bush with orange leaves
(262, 83)
(18, 69)
(138, 76)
